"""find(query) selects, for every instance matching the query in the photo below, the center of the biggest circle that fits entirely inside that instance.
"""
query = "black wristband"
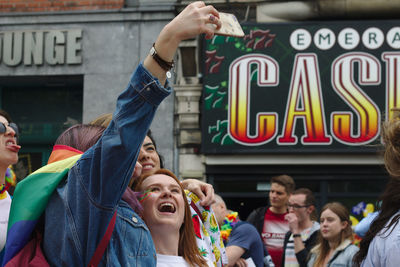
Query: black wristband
(165, 65)
(296, 235)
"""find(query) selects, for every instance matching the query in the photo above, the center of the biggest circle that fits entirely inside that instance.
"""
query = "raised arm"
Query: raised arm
(137, 105)
(191, 22)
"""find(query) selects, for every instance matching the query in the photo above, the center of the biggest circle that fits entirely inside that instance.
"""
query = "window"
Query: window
(42, 106)
(350, 185)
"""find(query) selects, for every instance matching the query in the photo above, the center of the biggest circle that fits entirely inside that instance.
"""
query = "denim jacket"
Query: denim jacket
(82, 206)
(342, 256)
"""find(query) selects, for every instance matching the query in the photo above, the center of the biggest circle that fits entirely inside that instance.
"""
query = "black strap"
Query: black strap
(165, 65)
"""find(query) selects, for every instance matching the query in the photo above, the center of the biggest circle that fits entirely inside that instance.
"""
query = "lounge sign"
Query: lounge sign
(304, 87)
(36, 47)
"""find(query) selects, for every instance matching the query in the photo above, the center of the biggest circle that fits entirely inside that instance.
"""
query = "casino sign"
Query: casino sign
(319, 87)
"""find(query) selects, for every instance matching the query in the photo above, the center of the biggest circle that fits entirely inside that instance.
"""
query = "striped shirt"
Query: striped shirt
(290, 255)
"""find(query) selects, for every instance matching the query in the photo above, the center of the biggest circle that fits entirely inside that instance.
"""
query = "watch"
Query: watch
(296, 235)
(165, 65)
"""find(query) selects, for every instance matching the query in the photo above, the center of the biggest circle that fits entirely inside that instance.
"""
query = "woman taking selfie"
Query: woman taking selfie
(199, 195)
(167, 215)
(334, 246)
(89, 196)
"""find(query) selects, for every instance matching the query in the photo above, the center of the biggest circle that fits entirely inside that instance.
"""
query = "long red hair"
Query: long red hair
(187, 239)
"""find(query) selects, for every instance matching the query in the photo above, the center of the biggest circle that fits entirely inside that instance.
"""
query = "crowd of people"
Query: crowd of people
(104, 198)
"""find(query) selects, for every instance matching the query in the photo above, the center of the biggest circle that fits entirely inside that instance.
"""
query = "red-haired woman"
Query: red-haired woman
(167, 215)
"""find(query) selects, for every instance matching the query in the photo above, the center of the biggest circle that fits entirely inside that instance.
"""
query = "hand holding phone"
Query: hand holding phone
(229, 26)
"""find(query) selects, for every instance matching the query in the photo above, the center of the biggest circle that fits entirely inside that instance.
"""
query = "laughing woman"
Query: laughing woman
(8, 156)
(167, 215)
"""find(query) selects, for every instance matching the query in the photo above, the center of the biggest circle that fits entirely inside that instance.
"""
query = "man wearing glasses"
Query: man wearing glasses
(303, 228)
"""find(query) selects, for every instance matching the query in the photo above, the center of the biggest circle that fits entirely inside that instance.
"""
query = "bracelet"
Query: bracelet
(296, 235)
(165, 65)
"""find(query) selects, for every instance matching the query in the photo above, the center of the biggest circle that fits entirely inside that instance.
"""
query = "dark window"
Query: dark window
(245, 188)
(188, 61)
(42, 106)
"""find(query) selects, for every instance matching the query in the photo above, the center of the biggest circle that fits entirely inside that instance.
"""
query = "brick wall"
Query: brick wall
(7, 6)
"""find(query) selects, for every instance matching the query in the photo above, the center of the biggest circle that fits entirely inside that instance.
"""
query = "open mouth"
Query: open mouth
(167, 207)
(146, 167)
(12, 146)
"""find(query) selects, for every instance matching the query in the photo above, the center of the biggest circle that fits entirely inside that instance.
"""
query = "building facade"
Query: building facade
(64, 62)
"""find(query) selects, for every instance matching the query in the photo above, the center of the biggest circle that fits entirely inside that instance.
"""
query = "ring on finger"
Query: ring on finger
(212, 18)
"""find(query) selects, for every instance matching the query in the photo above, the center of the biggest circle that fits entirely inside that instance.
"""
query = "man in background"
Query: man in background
(301, 237)
(270, 221)
(241, 239)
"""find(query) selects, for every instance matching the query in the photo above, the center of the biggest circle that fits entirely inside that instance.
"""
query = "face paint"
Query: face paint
(144, 195)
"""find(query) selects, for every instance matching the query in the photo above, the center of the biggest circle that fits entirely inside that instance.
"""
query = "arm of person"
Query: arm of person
(241, 263)
(246, 237)
(204, 191)
(234, 253)
(300, 251)
(298, 244)
(302, 255)
(293, 221)
(111, 161)
(191, 22)
(363, 226)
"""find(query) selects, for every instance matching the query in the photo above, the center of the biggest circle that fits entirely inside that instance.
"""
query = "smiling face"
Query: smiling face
(163, 203)
(148, 157)
(8, 145)
(331, 225)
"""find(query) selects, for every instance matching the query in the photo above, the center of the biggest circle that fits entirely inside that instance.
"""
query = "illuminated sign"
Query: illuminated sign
(304, 87)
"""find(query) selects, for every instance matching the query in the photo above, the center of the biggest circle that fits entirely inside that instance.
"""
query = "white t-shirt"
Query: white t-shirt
(5, 204)
(175, 261)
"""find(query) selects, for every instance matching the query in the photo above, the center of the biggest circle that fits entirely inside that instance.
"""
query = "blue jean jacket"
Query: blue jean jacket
(81, 208)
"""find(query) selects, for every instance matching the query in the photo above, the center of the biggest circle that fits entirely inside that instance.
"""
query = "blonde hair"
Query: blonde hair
(391, 138)
(103, 120)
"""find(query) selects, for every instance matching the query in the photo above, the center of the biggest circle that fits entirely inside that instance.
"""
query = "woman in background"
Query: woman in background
(334, 246)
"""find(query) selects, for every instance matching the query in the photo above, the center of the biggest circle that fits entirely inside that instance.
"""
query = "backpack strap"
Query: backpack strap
(98, 254)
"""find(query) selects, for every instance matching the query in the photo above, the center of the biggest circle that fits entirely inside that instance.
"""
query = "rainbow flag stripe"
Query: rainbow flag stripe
(29, 202)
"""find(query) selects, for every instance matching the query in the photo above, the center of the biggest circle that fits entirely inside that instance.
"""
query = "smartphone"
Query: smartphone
(230, 26)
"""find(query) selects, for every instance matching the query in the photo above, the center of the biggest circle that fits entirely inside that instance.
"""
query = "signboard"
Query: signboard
(36, 47)
(300, 87)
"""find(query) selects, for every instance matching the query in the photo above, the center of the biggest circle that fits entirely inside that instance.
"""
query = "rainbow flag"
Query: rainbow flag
(30, 200)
